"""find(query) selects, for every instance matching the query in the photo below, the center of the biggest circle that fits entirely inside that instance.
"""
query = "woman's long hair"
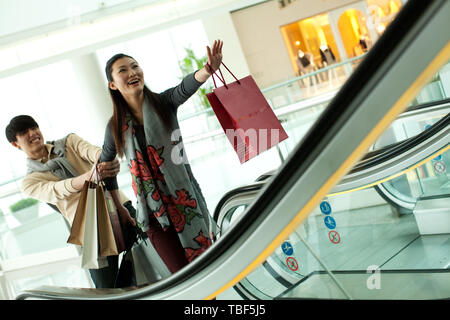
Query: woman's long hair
(121, 108)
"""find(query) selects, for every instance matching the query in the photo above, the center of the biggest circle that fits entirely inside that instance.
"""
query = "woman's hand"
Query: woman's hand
(214, 56)
(214, 60)
(125, 216)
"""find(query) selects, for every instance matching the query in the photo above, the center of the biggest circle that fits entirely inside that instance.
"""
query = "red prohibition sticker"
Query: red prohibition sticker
(439, 167)
(292, 263)
(334, 236)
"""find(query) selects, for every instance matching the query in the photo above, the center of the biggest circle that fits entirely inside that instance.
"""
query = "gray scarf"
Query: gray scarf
(59, 166)
(165, 189)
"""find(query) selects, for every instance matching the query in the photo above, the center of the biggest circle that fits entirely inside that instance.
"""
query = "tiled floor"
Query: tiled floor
(373, 237)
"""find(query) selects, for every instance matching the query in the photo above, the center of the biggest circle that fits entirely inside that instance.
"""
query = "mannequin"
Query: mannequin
(304, 60)
(364, 42)
(328, 58)
(327, 55)
(305, 64)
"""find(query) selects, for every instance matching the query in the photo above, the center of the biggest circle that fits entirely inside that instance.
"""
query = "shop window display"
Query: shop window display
(354, 32)
(382, 12)
(304, 40)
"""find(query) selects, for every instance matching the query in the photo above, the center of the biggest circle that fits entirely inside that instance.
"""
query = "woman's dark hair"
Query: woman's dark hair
(17, 125)
(121, 107)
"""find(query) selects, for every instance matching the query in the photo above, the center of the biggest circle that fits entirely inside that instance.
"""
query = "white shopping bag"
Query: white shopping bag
(148, 265)
(89, 256)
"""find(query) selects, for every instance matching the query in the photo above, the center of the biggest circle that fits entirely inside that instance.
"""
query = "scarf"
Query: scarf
(59, 165)
(165, 189)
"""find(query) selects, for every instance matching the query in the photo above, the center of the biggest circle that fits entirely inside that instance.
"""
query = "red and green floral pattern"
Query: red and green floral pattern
(181, 207)
(204, 243)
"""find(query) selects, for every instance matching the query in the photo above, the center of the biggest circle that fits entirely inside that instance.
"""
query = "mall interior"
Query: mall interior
(354, 204)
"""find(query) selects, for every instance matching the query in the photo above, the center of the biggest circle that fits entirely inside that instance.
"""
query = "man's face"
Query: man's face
(29, 141)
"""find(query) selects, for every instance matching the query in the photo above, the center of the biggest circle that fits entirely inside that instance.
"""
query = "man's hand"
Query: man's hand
(108, 169)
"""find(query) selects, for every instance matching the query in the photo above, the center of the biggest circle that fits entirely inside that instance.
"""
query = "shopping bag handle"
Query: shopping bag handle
(222, 79)
(214, 74)
(92, 173)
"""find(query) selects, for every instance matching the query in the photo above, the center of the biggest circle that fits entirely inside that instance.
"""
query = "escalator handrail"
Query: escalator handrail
(386, 153)
(427, 105)
(250, 188)
(396, 149)
(425, 108)
(388, 48)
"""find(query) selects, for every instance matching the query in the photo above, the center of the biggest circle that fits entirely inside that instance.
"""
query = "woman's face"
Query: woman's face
(127, 77)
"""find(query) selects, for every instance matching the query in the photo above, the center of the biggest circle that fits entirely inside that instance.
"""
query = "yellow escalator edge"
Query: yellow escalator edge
(401, 104)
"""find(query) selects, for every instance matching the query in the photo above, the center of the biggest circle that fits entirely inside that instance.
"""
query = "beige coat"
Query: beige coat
(46, 187)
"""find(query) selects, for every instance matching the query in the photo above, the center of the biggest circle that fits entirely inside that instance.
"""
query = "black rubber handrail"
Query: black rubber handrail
(428, 105)
(398, 148)
(423, 106)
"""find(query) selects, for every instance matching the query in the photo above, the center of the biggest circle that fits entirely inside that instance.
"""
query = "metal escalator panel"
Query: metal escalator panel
(277, 276)
(358, 114)
(357, 245)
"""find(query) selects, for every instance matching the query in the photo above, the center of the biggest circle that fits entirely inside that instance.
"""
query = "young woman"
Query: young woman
(144, 128)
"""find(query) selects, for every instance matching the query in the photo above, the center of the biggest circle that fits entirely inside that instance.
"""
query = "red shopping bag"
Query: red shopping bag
(249, 123)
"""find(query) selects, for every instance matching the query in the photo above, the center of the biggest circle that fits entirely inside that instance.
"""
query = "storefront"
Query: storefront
(337, 35)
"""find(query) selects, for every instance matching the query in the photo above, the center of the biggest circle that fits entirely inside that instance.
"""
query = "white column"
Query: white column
(221, 27)
(97, 106)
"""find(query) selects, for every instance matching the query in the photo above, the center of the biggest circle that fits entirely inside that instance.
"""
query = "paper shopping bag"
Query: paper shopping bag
(89, 253)
(248, 121)
(115, 222)
(77, 230)
(148, 265)
(106, 237)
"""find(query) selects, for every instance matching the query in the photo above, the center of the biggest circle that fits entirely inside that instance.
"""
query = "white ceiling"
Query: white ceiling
(34, 33)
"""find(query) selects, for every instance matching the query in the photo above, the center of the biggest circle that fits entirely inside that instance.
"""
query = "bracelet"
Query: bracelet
(208, 69)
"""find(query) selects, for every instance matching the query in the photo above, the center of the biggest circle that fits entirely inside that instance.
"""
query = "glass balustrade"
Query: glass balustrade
(357, 245)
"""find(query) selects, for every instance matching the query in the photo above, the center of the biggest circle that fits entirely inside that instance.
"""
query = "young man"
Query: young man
(56, 174)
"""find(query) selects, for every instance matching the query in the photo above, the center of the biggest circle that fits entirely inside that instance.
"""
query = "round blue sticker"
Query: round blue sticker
(330, 222)
(287, 248)
(325, 207)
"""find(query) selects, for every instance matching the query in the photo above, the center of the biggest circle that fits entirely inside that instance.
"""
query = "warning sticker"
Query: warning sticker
(287, 248)
(334, 236)
(439, 167)
(325, 207)
(330, 222)
(292, 263)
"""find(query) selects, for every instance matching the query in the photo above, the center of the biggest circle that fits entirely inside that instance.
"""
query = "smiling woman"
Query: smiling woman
(142, 128)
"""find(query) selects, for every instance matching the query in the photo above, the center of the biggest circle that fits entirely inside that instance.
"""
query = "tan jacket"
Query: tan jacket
(46, 187)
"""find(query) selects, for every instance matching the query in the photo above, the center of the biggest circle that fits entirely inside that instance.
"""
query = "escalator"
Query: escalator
(366, 172)
(375, 170)
(378, 91)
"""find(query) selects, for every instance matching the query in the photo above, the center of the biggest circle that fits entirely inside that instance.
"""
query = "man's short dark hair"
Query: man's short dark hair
(19, 124)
